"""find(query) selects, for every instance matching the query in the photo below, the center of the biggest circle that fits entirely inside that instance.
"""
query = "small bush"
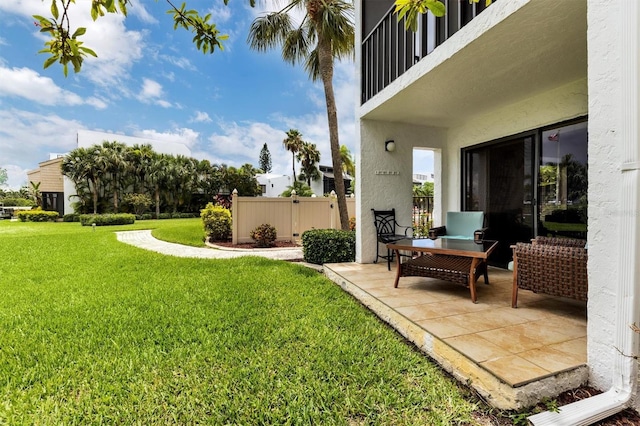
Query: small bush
(264, 235)
(37, 215)
(146, 216)
(107, 219)
(328, 246)
(217, 222)
(352, 223)
(71, 217)
(140, 203)
(164, 216)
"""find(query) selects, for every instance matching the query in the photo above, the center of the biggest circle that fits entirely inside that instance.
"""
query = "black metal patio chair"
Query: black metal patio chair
(386, 229)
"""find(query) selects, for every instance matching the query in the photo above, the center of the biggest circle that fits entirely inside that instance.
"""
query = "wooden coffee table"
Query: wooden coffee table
(460, 261)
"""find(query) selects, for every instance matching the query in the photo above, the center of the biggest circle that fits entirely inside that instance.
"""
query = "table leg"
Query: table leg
(398, 268)
(472, 279)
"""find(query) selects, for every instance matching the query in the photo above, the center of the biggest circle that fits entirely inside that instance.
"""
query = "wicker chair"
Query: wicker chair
(553, 266)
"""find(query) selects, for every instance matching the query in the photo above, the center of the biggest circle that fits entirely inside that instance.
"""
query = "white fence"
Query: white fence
(290, 216)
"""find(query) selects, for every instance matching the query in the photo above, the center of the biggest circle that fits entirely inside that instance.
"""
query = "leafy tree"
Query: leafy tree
(292, 143)
(413, 8)
(139, 202)
(326, 33)
(309, 156)
(242, 179)
(265, 159)
(65, 47)
(424, 190)
(3, 176)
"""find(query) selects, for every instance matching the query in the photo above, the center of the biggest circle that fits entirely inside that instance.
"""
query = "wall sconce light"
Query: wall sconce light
(390, 146)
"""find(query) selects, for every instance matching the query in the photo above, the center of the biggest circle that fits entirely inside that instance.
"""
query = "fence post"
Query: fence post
(295, 215)
(335, 214)
(235, 220)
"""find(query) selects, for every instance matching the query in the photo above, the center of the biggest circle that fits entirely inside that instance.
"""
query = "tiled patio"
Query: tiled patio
(512, 357)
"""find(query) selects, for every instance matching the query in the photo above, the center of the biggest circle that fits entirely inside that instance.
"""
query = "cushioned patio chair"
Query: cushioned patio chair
(461, 226)
(553, 266)
(387, 232)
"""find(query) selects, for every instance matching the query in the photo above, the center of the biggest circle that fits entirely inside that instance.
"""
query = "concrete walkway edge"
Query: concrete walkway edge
(143, 239)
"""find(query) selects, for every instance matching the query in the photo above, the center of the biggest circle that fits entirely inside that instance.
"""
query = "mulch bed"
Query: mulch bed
(276, 244)
(627, 417)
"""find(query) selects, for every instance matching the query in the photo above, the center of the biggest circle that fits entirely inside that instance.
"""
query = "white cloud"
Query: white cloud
(27, 138)
(140, 12)
(117, 48)
(16, 177)
(28, 84)
(185, 136)
(180, 62)
(152, 93)
(200, 117)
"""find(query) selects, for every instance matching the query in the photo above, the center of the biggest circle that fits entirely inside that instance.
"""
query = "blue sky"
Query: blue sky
(150, 81)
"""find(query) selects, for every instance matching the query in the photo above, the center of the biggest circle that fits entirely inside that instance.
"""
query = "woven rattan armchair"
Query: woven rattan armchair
(553, 266)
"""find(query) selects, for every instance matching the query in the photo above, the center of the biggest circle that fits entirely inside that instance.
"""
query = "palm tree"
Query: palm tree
(139, 158)
(79, 166)
(326, 33)
(115, 164)
(292, 143)
(158, 177)
(309, 156)
(348, 165)
(35, 190)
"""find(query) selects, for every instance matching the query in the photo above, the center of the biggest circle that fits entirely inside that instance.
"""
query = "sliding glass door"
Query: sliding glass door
(498, 180)
(527, 185)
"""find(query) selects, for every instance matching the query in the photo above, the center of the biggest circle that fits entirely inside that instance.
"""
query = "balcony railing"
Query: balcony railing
(389, 50)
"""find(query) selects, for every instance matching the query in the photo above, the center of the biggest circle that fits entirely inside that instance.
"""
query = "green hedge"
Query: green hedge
(37, 216)
(71, 217)
(107, 219)
(328, 246)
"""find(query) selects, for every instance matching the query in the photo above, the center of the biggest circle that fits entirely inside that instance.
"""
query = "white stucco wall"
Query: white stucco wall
(613, 129)
(385, 179)
(275, 184)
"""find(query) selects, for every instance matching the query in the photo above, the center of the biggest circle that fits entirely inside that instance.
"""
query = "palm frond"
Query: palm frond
(269, 31)
(296, 46)
(312, 65)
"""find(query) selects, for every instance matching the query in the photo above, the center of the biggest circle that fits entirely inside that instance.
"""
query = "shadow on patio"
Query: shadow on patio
(511, 357)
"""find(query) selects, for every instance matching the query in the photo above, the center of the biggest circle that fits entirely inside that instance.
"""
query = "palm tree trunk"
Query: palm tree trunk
(95, 196)
(325, 61)
(157, 193)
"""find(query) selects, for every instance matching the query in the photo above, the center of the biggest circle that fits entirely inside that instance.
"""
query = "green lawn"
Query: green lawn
(95, 331)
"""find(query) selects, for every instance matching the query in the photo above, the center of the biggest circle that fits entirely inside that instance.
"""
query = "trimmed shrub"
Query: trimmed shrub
(328, 246)
(146, 216)
(107, 219)
(71, 217)
(37, 215)
(164, 216)
(264, 235)
(183, 215)
(217, 222)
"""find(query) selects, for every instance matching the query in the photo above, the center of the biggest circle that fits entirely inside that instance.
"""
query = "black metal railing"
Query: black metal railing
(389, 50)
(422, 216)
